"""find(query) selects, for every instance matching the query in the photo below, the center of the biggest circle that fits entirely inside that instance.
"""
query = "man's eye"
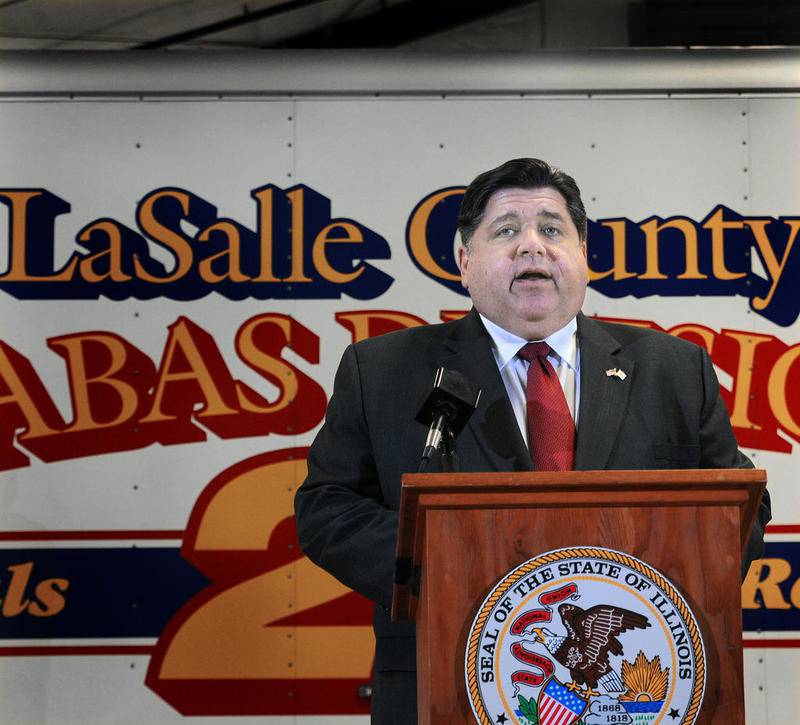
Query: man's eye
(550, 230)
(506, 231)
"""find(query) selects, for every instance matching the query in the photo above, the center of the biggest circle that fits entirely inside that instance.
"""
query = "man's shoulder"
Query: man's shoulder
(419, 338)
(633, 338)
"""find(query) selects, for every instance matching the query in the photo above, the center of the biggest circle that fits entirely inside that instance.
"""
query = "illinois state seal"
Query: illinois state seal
(585, 636)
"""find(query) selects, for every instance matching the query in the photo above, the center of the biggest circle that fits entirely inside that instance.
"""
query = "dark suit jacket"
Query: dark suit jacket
(667, 413)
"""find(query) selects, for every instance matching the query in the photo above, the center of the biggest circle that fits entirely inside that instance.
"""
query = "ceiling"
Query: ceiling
(411, 24)
(149, 24)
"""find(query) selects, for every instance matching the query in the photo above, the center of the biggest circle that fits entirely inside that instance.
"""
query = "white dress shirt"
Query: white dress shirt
(564, 357)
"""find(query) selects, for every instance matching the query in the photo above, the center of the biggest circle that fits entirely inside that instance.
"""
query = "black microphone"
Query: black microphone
(446, 410)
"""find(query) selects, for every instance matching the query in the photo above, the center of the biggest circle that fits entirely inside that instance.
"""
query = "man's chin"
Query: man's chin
(540, 322)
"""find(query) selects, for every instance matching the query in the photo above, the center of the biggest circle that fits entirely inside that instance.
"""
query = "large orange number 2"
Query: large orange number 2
(272, 634)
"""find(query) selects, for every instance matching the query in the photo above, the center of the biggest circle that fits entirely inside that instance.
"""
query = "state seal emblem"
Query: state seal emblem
(585, 636)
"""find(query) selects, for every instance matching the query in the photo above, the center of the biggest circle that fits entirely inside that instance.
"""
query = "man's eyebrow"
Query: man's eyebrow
(516, 216)
(508, 216)
(546, 214)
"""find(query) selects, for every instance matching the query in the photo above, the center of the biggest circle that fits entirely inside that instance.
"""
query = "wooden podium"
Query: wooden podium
(461, 533)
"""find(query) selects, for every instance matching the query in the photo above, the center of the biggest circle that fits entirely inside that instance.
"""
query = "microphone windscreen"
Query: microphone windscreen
(452, 395)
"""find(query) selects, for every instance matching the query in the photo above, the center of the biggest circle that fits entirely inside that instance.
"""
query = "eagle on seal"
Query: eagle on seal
(591, 636)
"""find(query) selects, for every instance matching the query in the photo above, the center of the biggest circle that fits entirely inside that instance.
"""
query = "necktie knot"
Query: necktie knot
(534, 350)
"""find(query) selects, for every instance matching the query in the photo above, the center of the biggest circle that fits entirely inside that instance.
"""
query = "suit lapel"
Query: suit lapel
(604, 398)
(493, 424)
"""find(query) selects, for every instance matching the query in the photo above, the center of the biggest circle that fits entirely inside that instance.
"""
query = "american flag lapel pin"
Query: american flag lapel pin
(616, 373)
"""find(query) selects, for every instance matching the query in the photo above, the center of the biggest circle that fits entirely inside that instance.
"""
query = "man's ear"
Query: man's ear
(583, 249)
(463, 261)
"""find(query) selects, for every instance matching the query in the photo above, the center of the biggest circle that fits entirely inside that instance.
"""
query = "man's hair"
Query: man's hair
(518, 174)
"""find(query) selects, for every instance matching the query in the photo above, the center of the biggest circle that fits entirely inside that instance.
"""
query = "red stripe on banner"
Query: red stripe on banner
(265, 697)
(98, 535)
(88, 650)
(783, 529)
(771, 643)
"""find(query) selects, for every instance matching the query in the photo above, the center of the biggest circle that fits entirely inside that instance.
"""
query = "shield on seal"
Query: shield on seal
(558, 705)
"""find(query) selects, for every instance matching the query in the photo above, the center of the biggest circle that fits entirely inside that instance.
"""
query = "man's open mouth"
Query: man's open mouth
(532, 275)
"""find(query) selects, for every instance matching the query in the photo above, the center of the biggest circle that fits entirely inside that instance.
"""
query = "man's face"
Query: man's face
(526, 267)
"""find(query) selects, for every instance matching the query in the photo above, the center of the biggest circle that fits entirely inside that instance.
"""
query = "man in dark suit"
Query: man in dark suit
(633, 398)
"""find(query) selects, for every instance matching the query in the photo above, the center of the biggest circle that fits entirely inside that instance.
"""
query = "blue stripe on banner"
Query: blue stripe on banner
(133, 592)
(112, 592)
(778, 593)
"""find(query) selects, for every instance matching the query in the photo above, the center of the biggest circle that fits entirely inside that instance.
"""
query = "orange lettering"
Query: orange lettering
(264, 199)
(323, 266)
(651, 231)
(24, 403)
(296, 199)
(49, 594)
(113, 252)
(99, 363)
(300, 403)
(620, 268)
(717, 226)
(18, 240)
(272, 625)
(418, 235)
(14, 602)
(164, 236)
(778, 387)
(764, 577)
(232, 253)
(192, 373)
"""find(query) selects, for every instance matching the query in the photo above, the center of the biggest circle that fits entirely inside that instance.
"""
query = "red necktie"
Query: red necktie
(551, 430)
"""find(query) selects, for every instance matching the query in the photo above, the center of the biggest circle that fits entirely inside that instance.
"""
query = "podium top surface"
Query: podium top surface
(605, 480)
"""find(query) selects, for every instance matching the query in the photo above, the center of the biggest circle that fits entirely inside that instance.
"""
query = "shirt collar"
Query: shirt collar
(507, 344)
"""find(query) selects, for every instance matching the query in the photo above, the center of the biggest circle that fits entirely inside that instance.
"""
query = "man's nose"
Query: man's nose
(531, 243)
